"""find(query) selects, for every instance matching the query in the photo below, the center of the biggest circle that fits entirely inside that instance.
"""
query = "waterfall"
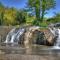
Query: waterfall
(16, 34)
(53, 31)
(57, 44)
(56, 32)
(10, 34)
(13, 35)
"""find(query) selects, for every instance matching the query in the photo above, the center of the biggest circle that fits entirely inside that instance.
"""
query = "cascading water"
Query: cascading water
(10, 34)
(57, 44)
(56, 32)
(16, 36)
(58, 39)
(13, 35)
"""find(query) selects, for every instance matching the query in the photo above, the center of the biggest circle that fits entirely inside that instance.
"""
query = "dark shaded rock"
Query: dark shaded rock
(57, 25)
(40, 38)
(35, 36)
(54, 24)
(49, 37)
(32, 35)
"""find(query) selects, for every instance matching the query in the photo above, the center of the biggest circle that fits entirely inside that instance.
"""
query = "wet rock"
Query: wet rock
(34, 36)
(50, 38)
(4, 30)
(30, 37)
(54, 24)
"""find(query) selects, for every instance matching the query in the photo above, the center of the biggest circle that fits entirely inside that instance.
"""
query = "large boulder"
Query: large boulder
(34, 36)
(49, 37)
(29, 36)
(37, 36)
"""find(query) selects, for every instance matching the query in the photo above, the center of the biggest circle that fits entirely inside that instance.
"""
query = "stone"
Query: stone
(49, 37)
(34, 36)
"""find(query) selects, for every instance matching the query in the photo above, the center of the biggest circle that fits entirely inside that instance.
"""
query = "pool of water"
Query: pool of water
(33, 50)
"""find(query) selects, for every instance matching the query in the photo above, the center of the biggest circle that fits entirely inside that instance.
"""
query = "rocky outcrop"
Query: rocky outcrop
(37, 36)
(4, 30)
(32, 35)
(49, 37)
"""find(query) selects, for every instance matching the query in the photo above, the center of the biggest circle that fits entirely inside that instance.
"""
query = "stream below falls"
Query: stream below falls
(33, 50)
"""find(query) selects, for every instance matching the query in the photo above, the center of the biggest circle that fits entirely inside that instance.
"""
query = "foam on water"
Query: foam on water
(56, 32)
(14, 36)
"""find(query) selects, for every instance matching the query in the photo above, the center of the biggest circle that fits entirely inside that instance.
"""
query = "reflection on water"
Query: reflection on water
(33, 50)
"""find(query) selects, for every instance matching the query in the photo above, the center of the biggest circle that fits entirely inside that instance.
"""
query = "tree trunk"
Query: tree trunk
(37, 11)
(42, 17)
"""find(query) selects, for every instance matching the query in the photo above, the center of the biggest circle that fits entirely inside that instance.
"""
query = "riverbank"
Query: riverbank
(36, 53)
(28, 57)
(4, 30)
(16, 53)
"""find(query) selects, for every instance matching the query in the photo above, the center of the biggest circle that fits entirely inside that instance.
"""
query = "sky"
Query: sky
(19, 4)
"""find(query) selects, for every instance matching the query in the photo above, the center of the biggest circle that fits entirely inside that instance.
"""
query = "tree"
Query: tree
(2, 9)
(40, 7)
(21, 16)
(9, 16)
(46, 6)
(34, 6)
(56, 17)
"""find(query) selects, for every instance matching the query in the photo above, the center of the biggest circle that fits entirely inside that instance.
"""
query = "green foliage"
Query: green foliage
(9, 17)
(40, 8)
(35, 22)
(21, 17)
(34, 6)
(33, 15)
(30, 19)
(43, 24)
(46, 6)
(2, 9)
(57, 17)
(54, 19)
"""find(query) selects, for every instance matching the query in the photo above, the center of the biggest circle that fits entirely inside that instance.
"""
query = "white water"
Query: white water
(56, 32)
(11, 33)
(58, 39)
(14, 35)
(53, 31)
(20, 32)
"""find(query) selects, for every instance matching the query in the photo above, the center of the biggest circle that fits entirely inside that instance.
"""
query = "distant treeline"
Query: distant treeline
(13, 16)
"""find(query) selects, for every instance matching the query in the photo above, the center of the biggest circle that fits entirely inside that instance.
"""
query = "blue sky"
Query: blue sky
(22, 3)
(14, 3)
